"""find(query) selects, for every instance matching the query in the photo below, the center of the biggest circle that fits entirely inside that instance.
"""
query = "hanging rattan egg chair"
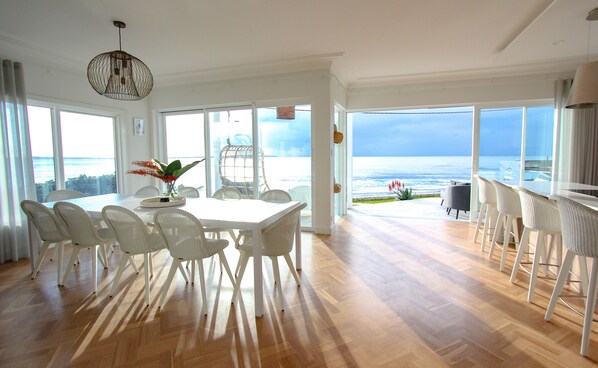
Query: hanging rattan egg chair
(236, 169)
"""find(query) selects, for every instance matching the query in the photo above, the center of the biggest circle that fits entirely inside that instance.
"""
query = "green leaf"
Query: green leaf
(162, 166)
(183, 170)
(172, 168)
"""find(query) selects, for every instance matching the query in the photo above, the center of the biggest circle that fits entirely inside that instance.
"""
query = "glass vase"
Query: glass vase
(169, 190)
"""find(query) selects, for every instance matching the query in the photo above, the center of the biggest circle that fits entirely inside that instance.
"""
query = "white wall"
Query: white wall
(471, 92)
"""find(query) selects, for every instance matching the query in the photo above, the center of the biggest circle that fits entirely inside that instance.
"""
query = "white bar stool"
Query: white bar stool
(539, 214)
(488, 212)
(509, 210)
(580, 235)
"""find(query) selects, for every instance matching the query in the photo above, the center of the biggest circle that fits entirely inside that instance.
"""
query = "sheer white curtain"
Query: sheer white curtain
(584, 147)
(17, 165)
(562, 132)
(576, 147)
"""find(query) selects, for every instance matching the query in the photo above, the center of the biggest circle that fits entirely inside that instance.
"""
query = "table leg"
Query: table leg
(298, 244)
(258, 289)
(60, 246)
(33, 239)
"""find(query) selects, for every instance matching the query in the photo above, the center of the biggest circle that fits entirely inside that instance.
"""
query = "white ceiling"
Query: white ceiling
(367, 42)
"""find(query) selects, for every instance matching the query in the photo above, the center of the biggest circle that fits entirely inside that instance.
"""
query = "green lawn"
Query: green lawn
(391, 199)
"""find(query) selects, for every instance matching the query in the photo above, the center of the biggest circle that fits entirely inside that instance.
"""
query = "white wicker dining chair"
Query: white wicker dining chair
(50, 231)
(275, 195)
(185, 240)
(61, 194)
(84, 234)
(188, 192)
(580, 236)
(271, 195)
(488, 213)
(508, 205)
(540, 215)
(277, 241)
(148, 191)
(133, 238)
(225, 193)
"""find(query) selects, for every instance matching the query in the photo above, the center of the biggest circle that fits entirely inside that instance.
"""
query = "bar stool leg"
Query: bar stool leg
(505, 244)
(482, 215)
(590, 305)
(489, 226)
(560, 282)
(538, 255)
(497, 230)
(583, 274)
(523, 248)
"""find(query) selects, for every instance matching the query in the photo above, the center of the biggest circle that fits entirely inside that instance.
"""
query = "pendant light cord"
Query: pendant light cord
(588, 48)
(120, 46)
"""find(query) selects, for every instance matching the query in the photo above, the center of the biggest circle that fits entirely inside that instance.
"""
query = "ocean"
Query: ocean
(425, 174)
(371, 175)
(43, 167)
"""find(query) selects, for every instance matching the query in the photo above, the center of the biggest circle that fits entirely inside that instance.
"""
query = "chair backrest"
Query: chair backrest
(539, 212)
(147, 191)
(507, 199)
(227, 193)
(458, 197)
(130, 231)
(59, 195)
(275, 195)
(47, 224)
(301, 193)
(580, 227)
(486, 191)
(277, 239)
(78, 223)
(182, 232)
(188, 192)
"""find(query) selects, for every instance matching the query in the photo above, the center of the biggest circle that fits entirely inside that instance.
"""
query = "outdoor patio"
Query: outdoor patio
(419, 208)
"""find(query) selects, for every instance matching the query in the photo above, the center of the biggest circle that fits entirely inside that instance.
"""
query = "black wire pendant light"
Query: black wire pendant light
(119, 75)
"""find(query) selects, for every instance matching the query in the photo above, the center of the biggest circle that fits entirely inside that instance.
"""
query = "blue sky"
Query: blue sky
(447, 132)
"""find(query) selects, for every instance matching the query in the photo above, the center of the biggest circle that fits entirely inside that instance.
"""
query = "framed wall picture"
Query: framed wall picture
(138, 126)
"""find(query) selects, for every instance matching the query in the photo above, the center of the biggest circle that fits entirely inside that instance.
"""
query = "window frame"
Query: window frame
(56, 127)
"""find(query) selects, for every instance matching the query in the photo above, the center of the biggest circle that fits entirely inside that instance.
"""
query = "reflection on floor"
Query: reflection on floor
(419, 208)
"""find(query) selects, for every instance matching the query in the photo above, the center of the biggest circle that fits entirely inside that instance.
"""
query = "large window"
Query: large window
(286, 144)
(231, 127)
(185, 141)
(502, 149)
(72, 150)
(500, 143)
(423, 148)
(284, 150)
(539, 134)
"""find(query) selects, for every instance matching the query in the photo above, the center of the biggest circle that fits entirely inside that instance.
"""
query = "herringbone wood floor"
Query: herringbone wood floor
(379, 292)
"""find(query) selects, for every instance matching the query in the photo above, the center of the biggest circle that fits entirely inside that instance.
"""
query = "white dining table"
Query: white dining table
(243, 214)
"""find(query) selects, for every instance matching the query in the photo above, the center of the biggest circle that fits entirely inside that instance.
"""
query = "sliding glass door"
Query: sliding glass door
(185, 141)
(500, 143)
(515, 135)
(225, 137)
(539, 133)
(285, 141)
(231, 154)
